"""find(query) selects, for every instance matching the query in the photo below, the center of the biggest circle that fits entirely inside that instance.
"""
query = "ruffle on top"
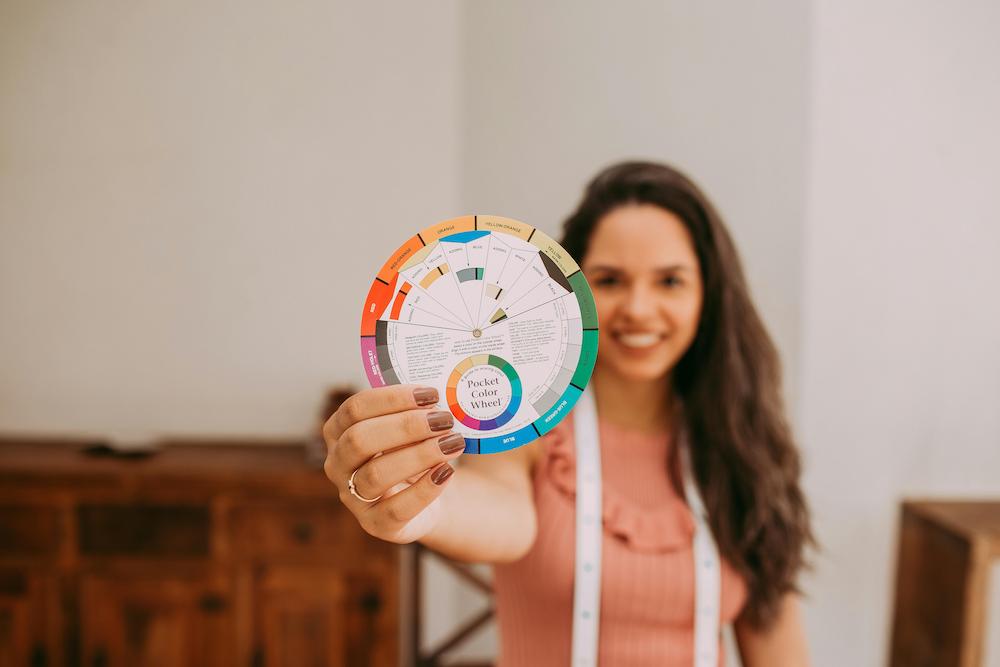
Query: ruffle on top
(662, 529)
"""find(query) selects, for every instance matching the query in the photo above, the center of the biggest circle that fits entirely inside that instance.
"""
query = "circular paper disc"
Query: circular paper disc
(495, 315)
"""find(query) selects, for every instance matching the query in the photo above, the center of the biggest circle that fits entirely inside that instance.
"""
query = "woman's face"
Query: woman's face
(642, 267)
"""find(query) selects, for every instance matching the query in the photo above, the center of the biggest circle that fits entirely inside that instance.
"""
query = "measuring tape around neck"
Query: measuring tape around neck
(589, 532)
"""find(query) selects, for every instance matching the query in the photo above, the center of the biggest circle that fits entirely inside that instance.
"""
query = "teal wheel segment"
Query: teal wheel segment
(557, 412)
(588, 357)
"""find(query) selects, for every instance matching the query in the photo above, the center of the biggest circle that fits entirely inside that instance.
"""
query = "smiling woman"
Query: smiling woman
(685, 371)
(683, 349)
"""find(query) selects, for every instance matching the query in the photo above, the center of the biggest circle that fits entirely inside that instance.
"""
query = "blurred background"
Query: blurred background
(195, 197)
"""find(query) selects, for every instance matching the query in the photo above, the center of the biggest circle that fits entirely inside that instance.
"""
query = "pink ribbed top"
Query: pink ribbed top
(647, 575)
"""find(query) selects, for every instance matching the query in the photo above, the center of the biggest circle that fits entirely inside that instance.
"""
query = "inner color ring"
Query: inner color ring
(467, 364)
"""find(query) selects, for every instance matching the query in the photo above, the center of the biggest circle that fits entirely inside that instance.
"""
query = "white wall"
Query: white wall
(901, 362)
(195, 197)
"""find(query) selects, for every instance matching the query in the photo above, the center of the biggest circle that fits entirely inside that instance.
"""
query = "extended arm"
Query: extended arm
(783, 644)
(488, 512)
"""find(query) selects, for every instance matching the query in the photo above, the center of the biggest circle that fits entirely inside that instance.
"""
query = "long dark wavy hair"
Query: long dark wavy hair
(729, 385)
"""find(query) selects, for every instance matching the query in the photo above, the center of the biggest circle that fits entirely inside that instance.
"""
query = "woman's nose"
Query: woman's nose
(639, 301)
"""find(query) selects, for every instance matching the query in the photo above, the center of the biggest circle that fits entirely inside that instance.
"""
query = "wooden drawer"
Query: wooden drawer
(30, 617)
(161, 530)
(163, 616)
(312, 614)
(27, 530)
(315, 529)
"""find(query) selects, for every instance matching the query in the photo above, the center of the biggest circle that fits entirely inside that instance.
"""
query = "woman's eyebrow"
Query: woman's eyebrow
(672, 268)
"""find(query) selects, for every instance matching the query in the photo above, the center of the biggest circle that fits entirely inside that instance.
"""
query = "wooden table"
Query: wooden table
(946, 549)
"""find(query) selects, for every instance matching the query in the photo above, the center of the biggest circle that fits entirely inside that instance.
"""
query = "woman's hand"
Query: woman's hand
(400, 445)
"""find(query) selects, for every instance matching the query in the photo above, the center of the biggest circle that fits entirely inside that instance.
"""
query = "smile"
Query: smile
(639, 340)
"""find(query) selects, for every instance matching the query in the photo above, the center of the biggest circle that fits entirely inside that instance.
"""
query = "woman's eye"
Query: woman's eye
(672, 281)
(605, 281)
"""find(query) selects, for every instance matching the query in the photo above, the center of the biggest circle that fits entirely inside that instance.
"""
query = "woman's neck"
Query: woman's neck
(642, 406)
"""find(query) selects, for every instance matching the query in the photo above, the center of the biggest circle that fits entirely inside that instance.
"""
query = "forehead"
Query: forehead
(638, 237)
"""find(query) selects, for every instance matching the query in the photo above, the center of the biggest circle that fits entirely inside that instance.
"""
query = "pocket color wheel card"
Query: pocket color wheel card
(495, 315)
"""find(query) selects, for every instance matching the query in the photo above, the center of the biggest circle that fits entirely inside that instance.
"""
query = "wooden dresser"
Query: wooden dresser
(202, 553)
(947, 549)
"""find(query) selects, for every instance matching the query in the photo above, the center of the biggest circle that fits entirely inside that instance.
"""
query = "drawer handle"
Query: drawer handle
(212, 603)
(303, 532)
(371, 602)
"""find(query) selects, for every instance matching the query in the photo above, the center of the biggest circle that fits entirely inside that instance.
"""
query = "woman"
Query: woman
(683, 358)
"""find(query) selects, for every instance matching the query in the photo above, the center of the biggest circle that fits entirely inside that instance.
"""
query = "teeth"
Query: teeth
(639, 340)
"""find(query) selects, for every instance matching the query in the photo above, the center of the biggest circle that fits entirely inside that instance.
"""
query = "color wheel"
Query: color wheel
(495, 315)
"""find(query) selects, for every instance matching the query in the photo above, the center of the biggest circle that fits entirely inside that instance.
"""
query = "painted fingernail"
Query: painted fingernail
(440, 420)
(441, 473)
(451, 443)
(425, 395)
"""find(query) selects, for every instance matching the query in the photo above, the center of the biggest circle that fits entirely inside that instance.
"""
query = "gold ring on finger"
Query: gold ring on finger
(354, 489)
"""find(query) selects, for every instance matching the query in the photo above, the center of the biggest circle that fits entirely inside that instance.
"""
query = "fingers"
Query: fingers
(396, 444)
(390, 516)
(366, 438)
(377, 402)
(379, 475)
